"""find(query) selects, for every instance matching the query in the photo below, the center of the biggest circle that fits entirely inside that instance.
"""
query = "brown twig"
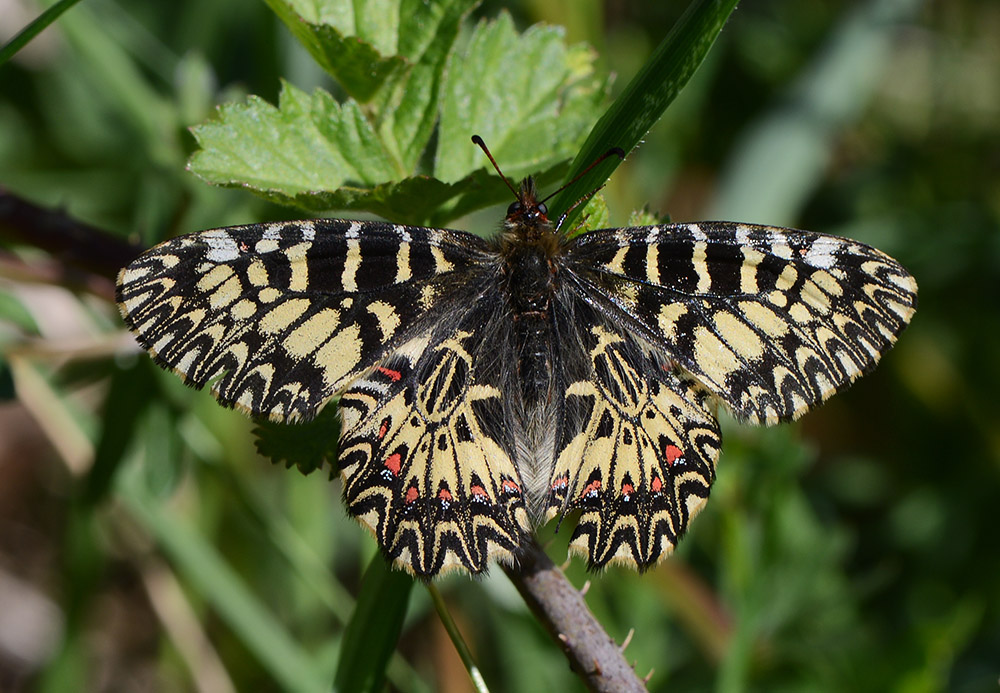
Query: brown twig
(73, 243)
(592, 653)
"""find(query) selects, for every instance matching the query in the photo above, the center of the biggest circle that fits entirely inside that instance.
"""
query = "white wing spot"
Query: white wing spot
(821, 253)
(221, 246)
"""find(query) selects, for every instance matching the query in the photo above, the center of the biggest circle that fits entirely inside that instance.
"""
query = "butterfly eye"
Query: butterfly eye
(543, 208)
(514, 208)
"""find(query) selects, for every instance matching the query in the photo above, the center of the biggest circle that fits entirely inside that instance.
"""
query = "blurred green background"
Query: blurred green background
(855, 550)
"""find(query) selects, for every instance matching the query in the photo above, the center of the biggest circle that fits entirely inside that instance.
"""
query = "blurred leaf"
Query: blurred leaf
(246, 614)
(125, 404)
(781, 158)
(162, 458)
(645, 98)
(12, 311)
(373, 631)
(306, 445)
(644, 217)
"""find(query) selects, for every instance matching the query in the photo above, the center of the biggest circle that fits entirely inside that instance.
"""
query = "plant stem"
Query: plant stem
(457, 639)
(592, 653)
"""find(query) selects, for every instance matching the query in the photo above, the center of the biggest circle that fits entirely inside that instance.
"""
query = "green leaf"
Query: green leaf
(645, 98)
(644, 217)
(408, 105)
(306, 445)
(371, 636)
(530, 97)
(13, 312)
(342, 39)
(595, 216)
(308, 143)
(319, 155)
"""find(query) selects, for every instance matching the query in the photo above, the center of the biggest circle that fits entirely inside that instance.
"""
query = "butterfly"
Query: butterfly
(486, 386)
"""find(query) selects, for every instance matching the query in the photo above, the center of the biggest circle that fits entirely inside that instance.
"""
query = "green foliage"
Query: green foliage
(305, 445)
(371, 634)
(529, 95)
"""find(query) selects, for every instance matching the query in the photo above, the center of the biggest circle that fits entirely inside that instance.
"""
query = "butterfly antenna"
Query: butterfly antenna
(482, 145)
(615, 151)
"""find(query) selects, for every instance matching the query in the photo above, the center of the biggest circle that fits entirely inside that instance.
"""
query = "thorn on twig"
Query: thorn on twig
(563, 639)
(648, 676)
(585, 589)
(597, 668)
(627, 640)
(565, 564)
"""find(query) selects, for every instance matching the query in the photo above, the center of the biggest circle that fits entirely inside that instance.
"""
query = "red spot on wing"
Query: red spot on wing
(656, 484)
(592, 488)
(561, 482)
(627, 489)
(394, 376)
(393, 462)
(511, 487)
(444, 494)
(478, 490)
(411, 494)
(383, 429)
(673, 453)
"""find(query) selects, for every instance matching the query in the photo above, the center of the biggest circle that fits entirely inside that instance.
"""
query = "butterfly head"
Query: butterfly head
(527, 214)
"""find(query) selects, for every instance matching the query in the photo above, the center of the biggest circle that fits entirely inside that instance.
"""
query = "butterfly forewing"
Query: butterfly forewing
(279, 317)
(772, 321)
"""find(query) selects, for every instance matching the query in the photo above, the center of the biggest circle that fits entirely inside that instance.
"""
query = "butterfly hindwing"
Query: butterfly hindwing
(426, 461)
(772, 321)
(637, 451)
(278, 317)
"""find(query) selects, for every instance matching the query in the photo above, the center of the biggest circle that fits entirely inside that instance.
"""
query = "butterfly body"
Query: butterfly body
(486, 386)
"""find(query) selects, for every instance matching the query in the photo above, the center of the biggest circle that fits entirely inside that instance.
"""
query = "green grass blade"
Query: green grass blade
(645, 98)
(457, 640)
(783, 157)
(29, 32)
(292, 668)
(371, 636)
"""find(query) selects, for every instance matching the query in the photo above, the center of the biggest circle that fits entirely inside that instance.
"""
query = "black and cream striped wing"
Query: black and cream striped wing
(637, 449)
(772, 321)
(279, 317)
(427, 453)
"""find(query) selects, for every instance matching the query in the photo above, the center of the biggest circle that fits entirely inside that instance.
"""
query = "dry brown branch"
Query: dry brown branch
(75, 245)
(592, 653)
